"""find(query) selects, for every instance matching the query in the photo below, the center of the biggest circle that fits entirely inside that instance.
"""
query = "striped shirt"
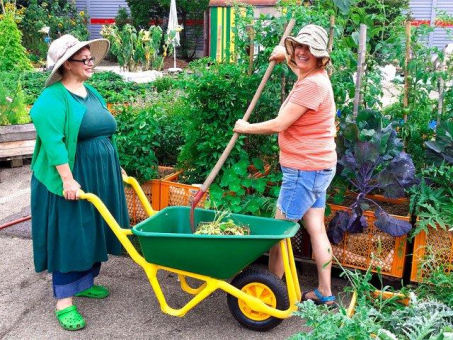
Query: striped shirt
(309, 143)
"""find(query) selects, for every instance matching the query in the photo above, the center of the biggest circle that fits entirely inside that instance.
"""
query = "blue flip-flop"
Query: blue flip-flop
(321, 299)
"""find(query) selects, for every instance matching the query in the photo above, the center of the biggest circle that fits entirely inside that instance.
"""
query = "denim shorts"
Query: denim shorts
(302, 190)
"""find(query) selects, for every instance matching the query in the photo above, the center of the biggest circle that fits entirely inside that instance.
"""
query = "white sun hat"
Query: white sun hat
(315, 37)
(64, 48)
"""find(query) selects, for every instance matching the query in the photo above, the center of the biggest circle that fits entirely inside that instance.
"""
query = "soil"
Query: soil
(162, 173)
(400, 209)
(168, 63)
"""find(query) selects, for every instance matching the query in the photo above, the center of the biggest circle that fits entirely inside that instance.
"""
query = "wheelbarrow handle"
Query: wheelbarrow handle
(215, 171)
(105, 213)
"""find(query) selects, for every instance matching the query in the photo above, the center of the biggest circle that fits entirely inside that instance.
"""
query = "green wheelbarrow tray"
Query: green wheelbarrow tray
(166, 239)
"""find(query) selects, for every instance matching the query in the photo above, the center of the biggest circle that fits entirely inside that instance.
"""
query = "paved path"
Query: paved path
(131, 312)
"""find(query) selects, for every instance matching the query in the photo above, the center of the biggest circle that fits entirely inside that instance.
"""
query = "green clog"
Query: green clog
(94, 292)
(70, 318)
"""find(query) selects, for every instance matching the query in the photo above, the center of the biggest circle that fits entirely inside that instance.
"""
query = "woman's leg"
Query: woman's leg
(275, 255)
(66, 285)
(322, 250)
(63, 303)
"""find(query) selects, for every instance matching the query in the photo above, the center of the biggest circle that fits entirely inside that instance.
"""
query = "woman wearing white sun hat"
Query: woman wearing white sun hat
(306, 128)
(74, 149)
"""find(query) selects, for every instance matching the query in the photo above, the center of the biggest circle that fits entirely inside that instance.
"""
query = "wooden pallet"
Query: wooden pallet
(17, 143)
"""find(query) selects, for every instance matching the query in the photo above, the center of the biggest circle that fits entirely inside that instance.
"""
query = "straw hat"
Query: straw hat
(64, 48)
(315, 37)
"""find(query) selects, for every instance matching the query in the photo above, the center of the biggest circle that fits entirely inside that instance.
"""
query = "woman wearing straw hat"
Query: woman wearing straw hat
(306, 128)
(74, 149)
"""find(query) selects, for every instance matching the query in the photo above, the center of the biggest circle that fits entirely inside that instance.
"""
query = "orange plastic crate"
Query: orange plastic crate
(178, 194)
(152, 193)
(436, 249)
(372, 247)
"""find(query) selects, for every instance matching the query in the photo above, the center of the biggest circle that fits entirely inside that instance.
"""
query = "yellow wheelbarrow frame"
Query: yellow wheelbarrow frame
(210, 284)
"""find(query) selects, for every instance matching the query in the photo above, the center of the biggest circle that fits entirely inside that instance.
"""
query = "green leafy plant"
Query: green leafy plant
(374, 316)
(115, 89)
(441, 149)
(370, 314)
(136, 143)
(432, 201)
(145, 11)
(61, 17)
(122, 17)
(215, 97)
(150, 135)
(32, 83)
(245, 192)
(439, 283)
(422, 320)
(13, 55)
(372, 159)
(132, 48)
(327, 325)
(12, 104)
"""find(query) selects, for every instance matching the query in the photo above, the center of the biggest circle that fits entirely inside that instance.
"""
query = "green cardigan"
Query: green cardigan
(57, 117)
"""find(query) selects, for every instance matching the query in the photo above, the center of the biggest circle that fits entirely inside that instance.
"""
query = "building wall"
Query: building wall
(424, 11)
(100, 12)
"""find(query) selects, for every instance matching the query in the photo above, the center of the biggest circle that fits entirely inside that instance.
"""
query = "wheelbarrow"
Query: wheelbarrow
(257, 299)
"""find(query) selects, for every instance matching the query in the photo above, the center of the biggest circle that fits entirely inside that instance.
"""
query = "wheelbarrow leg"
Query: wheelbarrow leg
(292, 280)
(187, 288)
(211, 285)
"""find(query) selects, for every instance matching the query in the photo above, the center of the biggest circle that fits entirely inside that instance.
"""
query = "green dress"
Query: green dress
(71, 235)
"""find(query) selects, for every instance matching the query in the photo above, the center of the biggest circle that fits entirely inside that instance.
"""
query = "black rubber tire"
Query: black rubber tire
(263, 276)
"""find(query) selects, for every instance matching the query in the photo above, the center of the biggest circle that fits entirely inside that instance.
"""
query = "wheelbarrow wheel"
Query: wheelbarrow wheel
(267, 287)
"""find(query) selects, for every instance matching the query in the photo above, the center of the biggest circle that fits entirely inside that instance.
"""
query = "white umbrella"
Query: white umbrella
(173, 25)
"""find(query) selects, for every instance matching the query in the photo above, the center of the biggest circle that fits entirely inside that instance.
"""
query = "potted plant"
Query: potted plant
(363, 232)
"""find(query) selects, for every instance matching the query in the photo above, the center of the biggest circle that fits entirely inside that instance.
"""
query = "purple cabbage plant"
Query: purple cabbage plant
(372, 160)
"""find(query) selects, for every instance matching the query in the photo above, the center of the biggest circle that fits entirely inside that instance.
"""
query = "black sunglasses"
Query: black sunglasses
(85, 61)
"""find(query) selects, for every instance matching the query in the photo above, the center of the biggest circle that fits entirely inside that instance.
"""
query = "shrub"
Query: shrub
(13, 55)
(32, 83)
(12, 105)
(115, 90)
(216, 97)
(60, 16)
(151, 135)
(122, 17)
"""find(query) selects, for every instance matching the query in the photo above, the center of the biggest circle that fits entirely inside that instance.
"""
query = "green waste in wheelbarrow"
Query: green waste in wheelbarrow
(166, 239)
